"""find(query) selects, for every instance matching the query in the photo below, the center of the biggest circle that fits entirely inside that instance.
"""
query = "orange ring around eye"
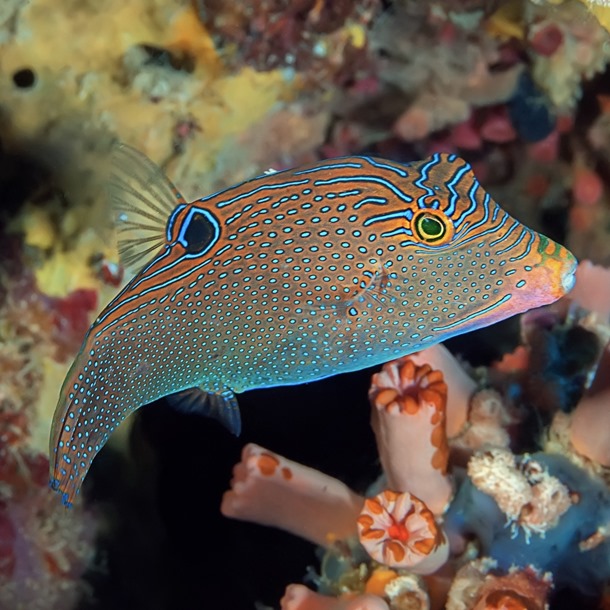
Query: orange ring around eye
(432, 227)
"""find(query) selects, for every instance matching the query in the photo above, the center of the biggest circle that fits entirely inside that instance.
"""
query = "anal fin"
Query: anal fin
(221, 406)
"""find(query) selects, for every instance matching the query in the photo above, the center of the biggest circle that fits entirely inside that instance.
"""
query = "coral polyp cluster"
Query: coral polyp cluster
(471, 518)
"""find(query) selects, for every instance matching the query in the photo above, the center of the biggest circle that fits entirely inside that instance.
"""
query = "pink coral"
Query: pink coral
(298, 597)
(399, 530)
(487, 422)
(587, 187)
(272, 490)
(409, 422)
(592, 289)
(462, 385)
(517, 360)
(545, 38)
(465, 135)
(545, 150)
(590, 421)
(497, 127)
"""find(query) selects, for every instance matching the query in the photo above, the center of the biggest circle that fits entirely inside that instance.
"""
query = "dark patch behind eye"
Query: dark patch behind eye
(198, 234)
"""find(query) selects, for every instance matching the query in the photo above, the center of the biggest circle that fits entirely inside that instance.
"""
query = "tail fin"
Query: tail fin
(85, 416)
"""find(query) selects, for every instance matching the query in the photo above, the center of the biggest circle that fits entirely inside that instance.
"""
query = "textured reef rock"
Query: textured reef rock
(43, 549)
(268, 34)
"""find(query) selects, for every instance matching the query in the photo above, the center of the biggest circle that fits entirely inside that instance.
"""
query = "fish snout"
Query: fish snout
(568, 277)
(559, 266)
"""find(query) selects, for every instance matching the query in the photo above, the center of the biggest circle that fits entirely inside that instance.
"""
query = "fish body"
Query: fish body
(290, 277)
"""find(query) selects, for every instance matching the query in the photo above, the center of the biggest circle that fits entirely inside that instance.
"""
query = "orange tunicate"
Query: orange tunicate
(379, 579)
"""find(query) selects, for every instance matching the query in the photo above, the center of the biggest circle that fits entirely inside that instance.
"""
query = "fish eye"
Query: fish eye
(199, 232)
(431, 227)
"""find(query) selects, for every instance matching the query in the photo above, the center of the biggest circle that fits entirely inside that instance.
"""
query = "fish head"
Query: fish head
(456, 259)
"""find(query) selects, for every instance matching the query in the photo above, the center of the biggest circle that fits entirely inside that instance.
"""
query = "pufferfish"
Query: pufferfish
(286, 278)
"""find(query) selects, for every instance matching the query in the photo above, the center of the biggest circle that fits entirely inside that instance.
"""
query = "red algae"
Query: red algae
(587, 186)
(546, 39)
(71, 317)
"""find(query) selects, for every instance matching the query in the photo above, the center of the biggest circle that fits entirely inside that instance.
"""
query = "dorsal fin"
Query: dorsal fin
(142, 199)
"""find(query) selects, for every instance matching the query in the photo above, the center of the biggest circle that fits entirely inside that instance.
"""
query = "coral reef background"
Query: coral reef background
(217, 92)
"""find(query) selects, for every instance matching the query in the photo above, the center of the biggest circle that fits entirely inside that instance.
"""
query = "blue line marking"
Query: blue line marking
(473, 203)
(402, 195)
(401, 172)
(399, 231)
(503, 237)
(125, 315)
(482, 233)
(435, 160)
(450, 209)
(467, 228)
(374, 200)
(527, 250)
(172, 219)
(322, 168)
(264, 187)
(388, 216)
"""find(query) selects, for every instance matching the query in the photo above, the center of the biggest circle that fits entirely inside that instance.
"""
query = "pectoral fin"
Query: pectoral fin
(142, 199)
(221, 406)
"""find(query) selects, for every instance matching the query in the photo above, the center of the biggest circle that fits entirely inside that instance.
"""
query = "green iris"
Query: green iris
(430, 228)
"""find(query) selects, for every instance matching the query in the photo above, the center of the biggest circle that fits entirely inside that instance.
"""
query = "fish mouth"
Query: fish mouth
(568, 278)
(557, 266)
